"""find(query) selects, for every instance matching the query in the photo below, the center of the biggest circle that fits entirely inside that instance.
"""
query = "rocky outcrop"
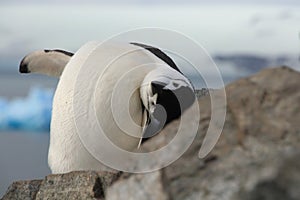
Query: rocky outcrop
(74, 185)
(256, 157)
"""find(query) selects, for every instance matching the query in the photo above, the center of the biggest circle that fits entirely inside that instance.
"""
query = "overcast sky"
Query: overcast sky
(218, 27)
(159, 2)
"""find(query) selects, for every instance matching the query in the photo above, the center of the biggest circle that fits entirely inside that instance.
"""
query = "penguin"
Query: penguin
(164, 94)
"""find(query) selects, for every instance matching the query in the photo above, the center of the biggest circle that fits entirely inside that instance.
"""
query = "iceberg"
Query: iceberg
(31, 113)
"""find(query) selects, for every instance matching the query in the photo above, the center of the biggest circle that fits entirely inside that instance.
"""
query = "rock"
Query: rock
(73, 185)
(256, 157)
(282, 184)
(22, 190)
(76, 185)
(260, 138)
(142, 186)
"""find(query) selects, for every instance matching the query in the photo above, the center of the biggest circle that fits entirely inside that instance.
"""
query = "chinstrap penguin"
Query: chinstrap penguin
(164, 93)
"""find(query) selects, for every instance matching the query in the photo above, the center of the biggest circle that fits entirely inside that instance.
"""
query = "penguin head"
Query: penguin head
(165, 94)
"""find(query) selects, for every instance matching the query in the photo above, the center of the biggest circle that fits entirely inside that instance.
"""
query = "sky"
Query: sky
(159, 2)
(254, 27)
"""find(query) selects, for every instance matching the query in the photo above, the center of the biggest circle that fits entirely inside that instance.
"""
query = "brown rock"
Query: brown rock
(76, 185)
(147, 186)
(261, 133)
(73, 185)
(25, 190)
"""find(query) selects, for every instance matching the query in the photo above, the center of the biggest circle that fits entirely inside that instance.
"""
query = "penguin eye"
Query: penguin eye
(175, 84)
(153, 100)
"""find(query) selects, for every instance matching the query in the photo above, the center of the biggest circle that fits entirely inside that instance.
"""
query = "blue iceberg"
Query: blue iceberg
(32, 113)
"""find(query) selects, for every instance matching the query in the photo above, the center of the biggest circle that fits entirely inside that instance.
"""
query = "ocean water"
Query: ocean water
(22, 157)
(26, 102)
(25, 107)
(31, 113)
(14, 85)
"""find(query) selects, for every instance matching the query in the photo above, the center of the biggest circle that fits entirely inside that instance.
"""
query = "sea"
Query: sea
(23, 153)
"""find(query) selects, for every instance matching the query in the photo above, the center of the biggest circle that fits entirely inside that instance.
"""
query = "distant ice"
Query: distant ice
(32, 113)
